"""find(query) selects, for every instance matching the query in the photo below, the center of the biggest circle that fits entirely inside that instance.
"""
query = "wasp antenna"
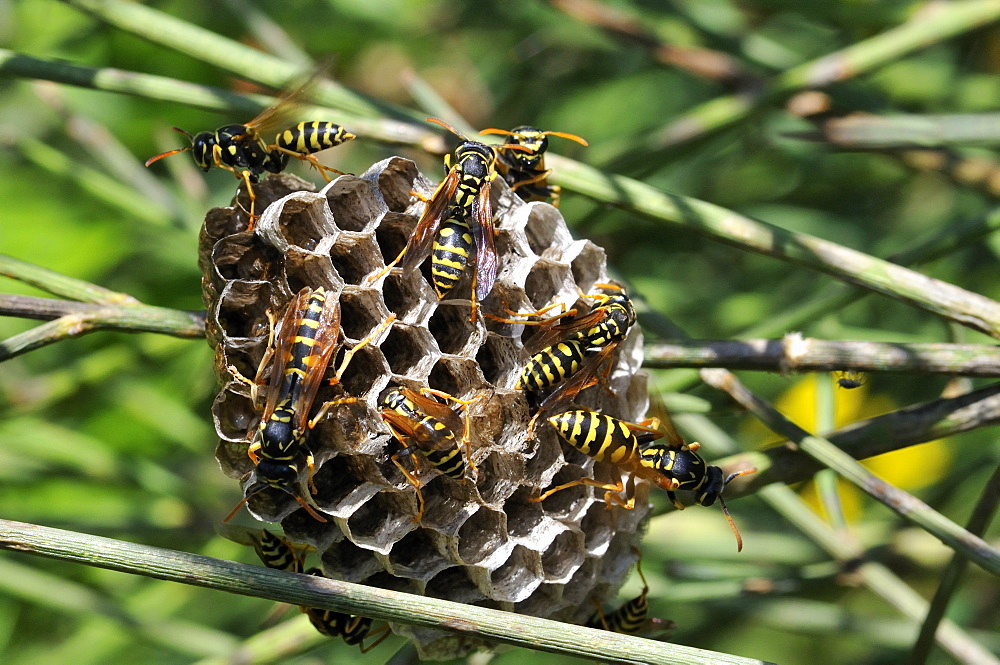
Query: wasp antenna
(186, 133)
(239, 505)
(512, 146)
(438, 121)
(732, 523)
(564, 135)
(494, 130)
(166, 154)
(737, 474)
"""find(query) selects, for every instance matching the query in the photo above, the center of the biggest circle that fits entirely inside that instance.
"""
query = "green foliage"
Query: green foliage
(111, 434)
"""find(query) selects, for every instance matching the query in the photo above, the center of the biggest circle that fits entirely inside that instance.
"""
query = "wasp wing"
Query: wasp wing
(436, 410)
(486, 252)
(585, 377)
(551, 334)
(419, 245)
(320, 354)
(281, 112)
(284, 337)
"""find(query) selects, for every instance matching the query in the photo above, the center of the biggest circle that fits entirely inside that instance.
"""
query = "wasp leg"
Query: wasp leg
(382, 633)
(315, 163)
(620, 487)
(540, 312)
(379, 329)
(538, 177)
(259, 379)
(413, 480)
(599, 616)
(612, 499)
(385, 271)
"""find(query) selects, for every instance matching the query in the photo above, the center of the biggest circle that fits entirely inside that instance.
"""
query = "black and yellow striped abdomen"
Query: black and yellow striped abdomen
(596, 435)
(299, 360)
(435, 439)
(353, 629)
(450, 256)
(275, 552)
(629, 619)
(552, 365)
(306, 138)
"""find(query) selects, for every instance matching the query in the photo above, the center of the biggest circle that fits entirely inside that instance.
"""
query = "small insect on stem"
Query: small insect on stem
(850, 379)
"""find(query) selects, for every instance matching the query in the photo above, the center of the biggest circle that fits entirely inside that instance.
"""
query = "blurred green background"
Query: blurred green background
(110, 433)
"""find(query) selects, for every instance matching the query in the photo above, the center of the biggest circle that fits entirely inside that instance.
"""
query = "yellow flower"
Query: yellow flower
(909, 468)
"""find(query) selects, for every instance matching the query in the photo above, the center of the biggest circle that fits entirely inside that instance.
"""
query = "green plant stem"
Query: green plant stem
(909, 131)
(96, 183)
(847, 550)
(72, 319)
(161, 28)
(811, 354)
(833, 297)
(149, 86)
(61, 285)
(722, 225)
(929, 27)
(132, 318)
(981, 517)
(911, 426)
(941, 298)
(826, 479)
(879, 579)
(310, 591)
(902, 503)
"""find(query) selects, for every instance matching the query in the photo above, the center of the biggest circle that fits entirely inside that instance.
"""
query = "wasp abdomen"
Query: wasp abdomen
(306, 138)
(596, 435)
(450, 256)
(552, 365)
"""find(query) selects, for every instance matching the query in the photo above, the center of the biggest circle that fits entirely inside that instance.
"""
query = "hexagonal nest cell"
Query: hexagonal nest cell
(481, 539)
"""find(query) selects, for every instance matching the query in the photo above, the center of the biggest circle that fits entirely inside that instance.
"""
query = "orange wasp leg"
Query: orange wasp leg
(466, 417)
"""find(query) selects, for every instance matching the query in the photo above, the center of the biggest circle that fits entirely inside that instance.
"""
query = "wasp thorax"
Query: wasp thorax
(479, 539)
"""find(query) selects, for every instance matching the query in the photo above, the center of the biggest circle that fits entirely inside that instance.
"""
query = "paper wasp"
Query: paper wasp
(632, 618)
(431, 427)
(301, 350)
(243, 150)
(632, 448)
(568, 340)
(276, 552)
(458, 214)
(352, 628)
(525, 171)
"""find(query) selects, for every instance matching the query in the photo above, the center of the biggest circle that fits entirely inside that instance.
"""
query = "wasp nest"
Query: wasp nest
(480, 541)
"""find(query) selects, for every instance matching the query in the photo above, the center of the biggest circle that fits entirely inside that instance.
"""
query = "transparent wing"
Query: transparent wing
(283, 343)
(486, 252)
(318, 359)
(419, 245)
(281, 113)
